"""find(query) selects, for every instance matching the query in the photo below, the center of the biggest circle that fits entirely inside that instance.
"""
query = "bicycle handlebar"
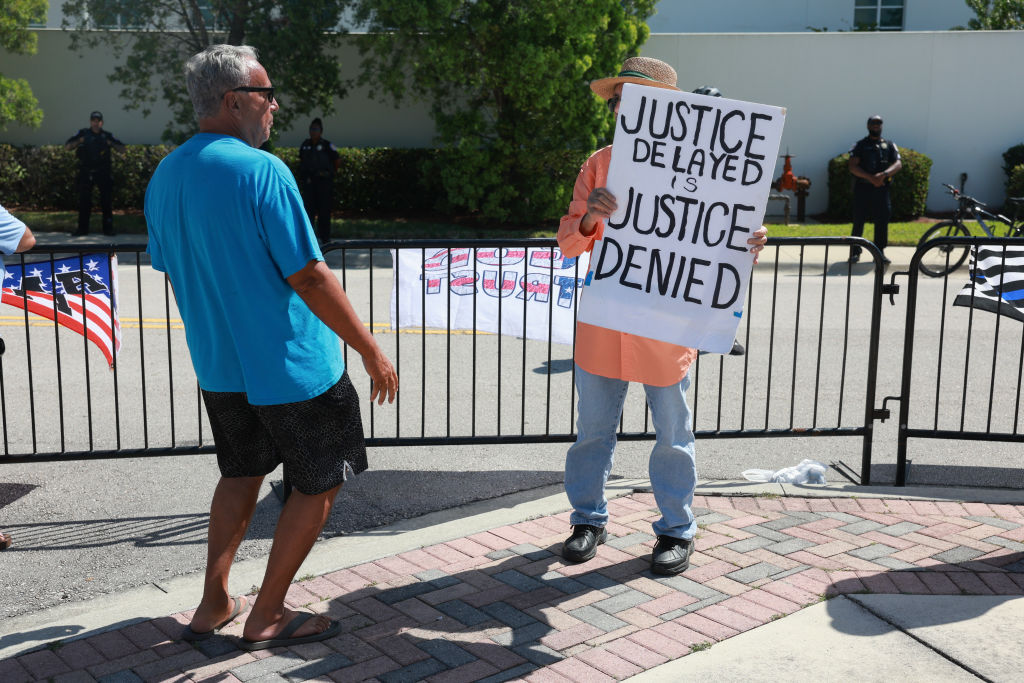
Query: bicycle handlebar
(964, 199)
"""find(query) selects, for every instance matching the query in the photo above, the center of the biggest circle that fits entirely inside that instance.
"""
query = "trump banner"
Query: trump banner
(691, 175)
(80, 293)
(517, 291)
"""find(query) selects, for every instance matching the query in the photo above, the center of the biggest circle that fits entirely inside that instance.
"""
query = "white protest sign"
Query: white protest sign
(691, 175)
(459, 288)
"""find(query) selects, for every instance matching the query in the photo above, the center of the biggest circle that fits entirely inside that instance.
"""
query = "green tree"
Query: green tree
(506, 81)
(996, 15)
(17, 103)
(151, 39)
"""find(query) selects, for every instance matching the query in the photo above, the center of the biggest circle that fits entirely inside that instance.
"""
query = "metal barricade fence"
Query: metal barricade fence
(962, 365)
(810, 327)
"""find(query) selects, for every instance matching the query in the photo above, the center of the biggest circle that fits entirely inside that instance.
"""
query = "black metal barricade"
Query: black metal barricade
(962, 364)
(810, 326)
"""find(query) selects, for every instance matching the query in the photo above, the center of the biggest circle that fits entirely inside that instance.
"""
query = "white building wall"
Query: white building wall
(772, 16)
(946, 94)
(69, 85)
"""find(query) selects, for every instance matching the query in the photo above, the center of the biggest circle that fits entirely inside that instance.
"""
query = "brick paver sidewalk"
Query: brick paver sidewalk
(501, 605)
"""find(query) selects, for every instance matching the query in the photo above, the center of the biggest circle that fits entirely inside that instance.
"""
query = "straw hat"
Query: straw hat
(640, 70)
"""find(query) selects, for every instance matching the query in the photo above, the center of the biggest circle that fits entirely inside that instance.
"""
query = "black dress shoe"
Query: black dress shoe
(854, 257)
(582, 545)
(737, 349)
(671, 556)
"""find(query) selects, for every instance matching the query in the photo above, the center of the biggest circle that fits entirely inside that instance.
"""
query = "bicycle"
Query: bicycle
(946, 258)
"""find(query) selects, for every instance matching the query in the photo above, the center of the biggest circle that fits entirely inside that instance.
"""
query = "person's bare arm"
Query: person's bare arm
(854, 165)
(875, 179)
(28, 240)
(893, 169)
(322, 292)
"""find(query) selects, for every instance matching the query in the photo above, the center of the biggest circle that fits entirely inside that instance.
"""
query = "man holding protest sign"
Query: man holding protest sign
(607, 356)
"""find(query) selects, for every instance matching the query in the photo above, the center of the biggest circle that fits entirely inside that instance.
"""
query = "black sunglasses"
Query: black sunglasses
(613, 102)
(250, 88)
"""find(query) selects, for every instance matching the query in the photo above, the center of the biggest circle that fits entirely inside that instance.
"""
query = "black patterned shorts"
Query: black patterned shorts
(320, 441)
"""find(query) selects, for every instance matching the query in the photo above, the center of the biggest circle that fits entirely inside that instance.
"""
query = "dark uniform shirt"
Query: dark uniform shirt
(94, 152)
(875, 155)
(317, 160)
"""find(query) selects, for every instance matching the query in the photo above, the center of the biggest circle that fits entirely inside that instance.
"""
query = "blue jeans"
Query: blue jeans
(672, 467)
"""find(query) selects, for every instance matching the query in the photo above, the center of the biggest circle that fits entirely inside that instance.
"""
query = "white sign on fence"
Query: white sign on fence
(691, 175)
(437, 288)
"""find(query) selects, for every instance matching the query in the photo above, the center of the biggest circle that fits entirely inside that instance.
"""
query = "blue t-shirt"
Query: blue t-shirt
(227, 225)
(11, 231)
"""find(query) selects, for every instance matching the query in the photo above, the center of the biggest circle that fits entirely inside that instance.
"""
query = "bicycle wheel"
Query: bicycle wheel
(945, 258)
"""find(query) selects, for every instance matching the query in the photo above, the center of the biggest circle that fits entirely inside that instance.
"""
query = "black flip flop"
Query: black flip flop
(193, 636)
(284, 638)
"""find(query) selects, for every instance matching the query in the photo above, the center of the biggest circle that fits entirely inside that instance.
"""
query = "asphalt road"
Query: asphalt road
(87, 527)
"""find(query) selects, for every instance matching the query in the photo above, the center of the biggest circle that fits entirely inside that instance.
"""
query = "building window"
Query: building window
(115, 14)
(878, 15)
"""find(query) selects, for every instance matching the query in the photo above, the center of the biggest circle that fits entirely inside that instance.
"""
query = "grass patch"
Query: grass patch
(699, 647)
(900, 234)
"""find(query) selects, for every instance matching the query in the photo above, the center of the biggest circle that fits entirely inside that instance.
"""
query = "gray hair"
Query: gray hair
(213, 72)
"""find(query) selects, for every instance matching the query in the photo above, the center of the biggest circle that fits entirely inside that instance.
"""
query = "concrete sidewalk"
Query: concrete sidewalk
(788, 583)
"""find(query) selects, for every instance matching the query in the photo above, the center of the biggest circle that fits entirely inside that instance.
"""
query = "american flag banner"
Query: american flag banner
(997, 281)
(79, 292)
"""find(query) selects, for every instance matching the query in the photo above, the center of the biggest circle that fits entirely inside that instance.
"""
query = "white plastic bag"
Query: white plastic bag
(807, 472)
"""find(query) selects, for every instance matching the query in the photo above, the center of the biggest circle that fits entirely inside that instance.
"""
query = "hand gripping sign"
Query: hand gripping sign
(691, 175)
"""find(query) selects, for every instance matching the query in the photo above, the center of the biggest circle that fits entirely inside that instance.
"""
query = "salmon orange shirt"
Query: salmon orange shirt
(604, 352)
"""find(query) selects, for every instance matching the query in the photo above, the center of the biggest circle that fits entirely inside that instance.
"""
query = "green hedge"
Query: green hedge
(909, 190)
(379, 179)
(44, 177)
(1015, 185)
(1012, 158)
(369, 180)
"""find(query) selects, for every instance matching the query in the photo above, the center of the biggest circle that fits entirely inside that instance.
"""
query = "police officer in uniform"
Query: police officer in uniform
(92, 146)
(873, 162)
(318, 160)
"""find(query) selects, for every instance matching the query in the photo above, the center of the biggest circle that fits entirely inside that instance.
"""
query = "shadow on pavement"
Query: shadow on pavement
(10, 492)
(374, 498)
(986, 579)
(379, 497)
(972, 476)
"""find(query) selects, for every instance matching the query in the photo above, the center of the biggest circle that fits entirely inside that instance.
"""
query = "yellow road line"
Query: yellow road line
(176, 324)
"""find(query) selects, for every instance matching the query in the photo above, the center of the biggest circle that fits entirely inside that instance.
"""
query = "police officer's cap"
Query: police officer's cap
(874, 118)
(96, 115)
(317, 123)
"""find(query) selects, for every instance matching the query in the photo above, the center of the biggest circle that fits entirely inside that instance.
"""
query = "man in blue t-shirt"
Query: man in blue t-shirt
(263, 316)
